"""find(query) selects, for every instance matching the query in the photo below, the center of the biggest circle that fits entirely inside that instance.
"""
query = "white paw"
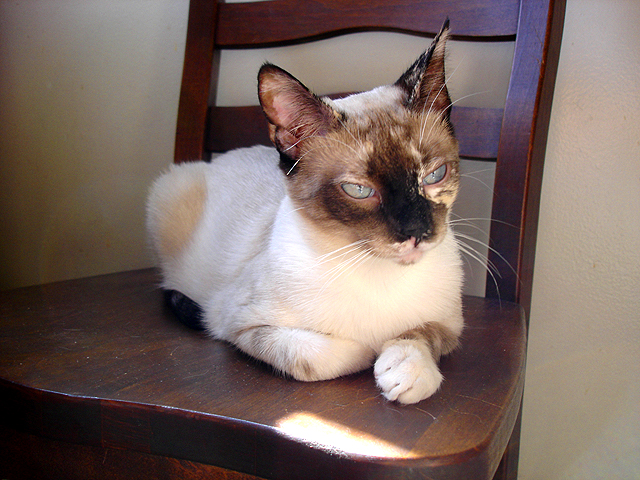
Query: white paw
(406, 372)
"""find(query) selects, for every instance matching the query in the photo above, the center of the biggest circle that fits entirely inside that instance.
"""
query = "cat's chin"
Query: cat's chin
(408, 253)
(410, 257)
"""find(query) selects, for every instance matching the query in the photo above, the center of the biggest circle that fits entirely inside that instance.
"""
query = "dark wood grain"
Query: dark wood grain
(215, 25)
(288, 21)
(196, 81)
(25, 456)
(522, 146)
(99, 362)
(236, 127)
(520, 167)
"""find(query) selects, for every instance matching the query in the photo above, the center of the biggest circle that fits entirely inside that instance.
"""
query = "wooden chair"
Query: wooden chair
(98, 381)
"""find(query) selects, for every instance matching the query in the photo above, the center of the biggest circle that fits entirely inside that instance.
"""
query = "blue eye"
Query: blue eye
(357, 191)
(436, 176)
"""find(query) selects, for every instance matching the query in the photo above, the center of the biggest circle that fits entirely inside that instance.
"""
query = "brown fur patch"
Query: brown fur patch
(439, 338)
(180, 218)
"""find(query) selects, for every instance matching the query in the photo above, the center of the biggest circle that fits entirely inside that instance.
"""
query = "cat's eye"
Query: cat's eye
(436, 176)
(357, 191)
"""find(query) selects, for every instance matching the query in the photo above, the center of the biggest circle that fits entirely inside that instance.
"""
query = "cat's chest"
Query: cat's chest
(378, 303)
(360, 297)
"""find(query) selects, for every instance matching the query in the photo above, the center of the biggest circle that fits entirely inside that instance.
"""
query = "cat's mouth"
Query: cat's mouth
(411, 251)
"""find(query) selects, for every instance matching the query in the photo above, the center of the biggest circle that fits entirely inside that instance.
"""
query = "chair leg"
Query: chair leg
(508, 468)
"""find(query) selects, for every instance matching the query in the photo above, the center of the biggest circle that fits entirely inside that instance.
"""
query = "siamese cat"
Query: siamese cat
(331, 252)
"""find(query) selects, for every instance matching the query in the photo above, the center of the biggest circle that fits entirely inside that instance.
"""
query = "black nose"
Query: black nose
(413, 218)
(408, 212)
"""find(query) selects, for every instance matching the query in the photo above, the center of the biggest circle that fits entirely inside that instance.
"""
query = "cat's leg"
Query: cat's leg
(407, 371)
(304, 354)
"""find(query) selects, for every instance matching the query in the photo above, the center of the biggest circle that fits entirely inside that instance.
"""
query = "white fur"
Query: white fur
(361, 104)
(406, 371)
(250, 268)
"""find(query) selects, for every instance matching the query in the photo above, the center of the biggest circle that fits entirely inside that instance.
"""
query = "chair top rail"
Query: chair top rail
(289, 21)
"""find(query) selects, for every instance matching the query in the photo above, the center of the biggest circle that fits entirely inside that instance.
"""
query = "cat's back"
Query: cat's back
(202, 216)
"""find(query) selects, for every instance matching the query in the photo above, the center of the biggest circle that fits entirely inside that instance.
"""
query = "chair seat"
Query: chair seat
(101, 362)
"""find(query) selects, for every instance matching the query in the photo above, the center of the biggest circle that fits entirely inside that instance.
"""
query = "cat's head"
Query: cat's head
(379, 168)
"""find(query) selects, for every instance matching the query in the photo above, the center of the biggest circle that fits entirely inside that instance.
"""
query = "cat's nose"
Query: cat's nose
(411, 214)
(416, 224)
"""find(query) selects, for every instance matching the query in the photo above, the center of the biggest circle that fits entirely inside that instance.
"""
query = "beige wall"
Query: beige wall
(88, 98)
(582, 396)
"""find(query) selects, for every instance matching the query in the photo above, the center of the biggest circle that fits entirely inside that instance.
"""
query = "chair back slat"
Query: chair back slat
(477, 129)
(223, 134)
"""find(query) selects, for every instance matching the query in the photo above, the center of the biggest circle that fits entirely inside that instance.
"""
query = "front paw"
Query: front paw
(406, 372)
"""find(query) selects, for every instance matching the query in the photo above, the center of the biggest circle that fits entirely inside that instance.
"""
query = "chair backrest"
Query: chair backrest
(513, 136)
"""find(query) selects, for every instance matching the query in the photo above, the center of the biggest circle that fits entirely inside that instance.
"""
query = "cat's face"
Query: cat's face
(379, 169)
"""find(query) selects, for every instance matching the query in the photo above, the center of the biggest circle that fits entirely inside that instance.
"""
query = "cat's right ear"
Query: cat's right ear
(294, 112)
(424, 83)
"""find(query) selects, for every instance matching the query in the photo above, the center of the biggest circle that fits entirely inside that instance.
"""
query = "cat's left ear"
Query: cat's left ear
(424, 82)
(293, 111)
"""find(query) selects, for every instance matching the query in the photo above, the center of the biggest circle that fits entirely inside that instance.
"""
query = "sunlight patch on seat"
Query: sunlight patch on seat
(338, 439)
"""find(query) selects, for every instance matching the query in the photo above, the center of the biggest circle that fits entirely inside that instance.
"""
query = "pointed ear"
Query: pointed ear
(294, 113)
(424, 82)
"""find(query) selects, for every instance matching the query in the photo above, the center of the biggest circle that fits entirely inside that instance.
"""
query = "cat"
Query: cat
(331, 252)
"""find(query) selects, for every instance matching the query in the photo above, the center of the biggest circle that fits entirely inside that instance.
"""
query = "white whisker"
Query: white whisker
(468, 222)
(471, 239)
(344, 267)
(439, 116)
(334, 255)
(351, 134)
(424, 121)
(340, 267)
(485, 259)
(488, 187)
(482, 219)
(470, 252)
(480, 171)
